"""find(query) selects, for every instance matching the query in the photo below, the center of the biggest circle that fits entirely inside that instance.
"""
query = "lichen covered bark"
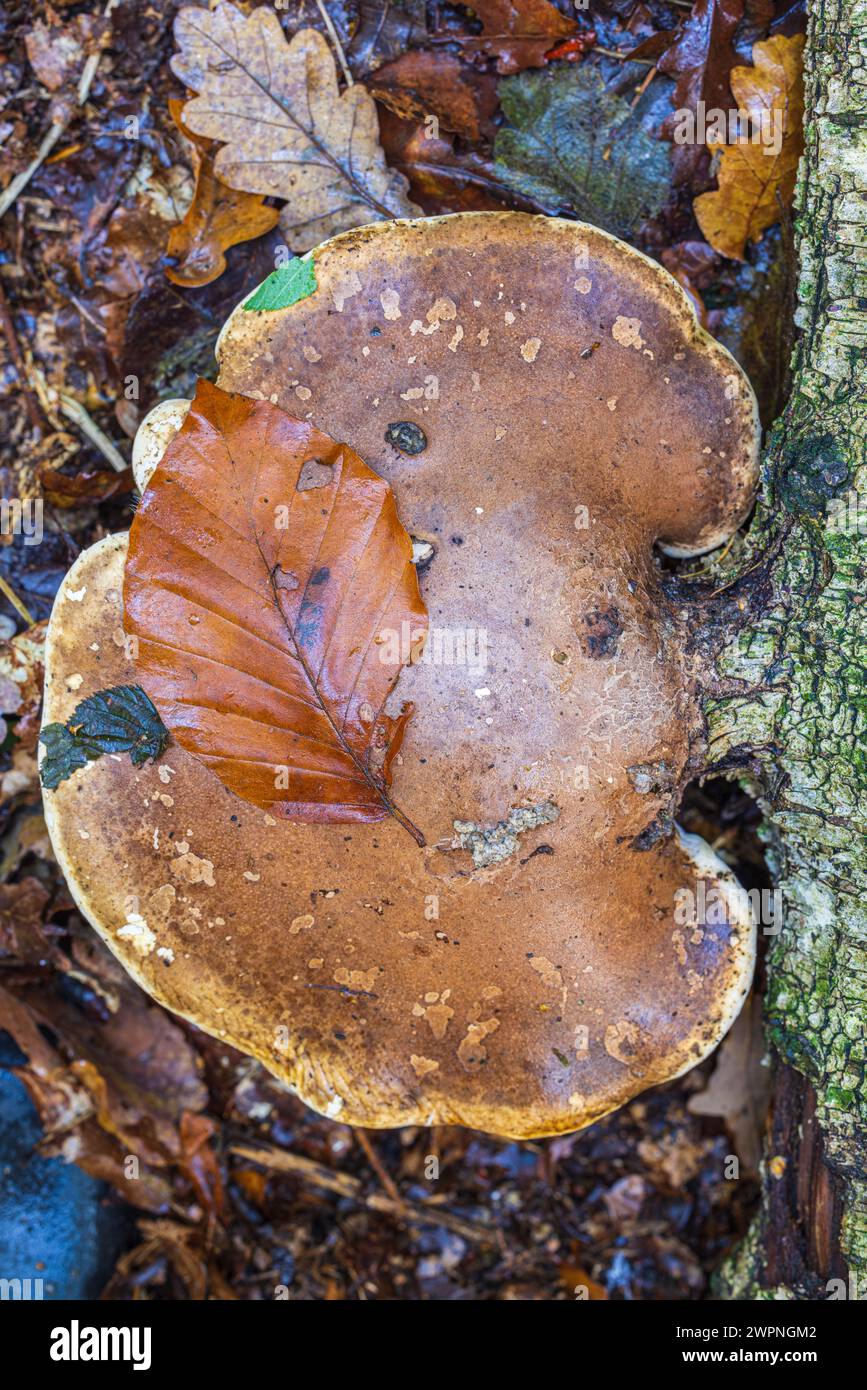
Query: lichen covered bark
(800, 660)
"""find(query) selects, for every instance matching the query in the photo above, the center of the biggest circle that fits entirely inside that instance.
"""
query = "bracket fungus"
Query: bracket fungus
(531, 966)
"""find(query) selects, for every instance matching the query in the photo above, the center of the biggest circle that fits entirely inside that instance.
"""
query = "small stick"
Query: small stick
(338, 46)
(6, 588)
(645, 83)
(622, 57)
(362, 1139)
(21, 180)
(345, 1185)
(55, 130)
(30, 400)
(79, 416)
(88, 72)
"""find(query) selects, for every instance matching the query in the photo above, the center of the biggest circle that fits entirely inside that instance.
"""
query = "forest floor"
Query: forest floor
(241, 1188)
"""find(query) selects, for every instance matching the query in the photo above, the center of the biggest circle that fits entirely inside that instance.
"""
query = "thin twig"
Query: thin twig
(76, 412)
(88, 72)
(623, 57)
(30, 399)
(338, 46)
(345, 1185)
(362, 1139)
(17, 604)
(645, 83)
(55, 130)
(21, 180)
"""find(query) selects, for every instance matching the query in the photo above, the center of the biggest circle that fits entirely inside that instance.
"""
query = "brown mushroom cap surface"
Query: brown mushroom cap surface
(532, 989)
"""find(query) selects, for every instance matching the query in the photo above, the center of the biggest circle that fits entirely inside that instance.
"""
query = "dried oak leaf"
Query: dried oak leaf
(287, 130)
(700, 60)
(258, 592)
(217, 218)
(757, 174)
(518, 33)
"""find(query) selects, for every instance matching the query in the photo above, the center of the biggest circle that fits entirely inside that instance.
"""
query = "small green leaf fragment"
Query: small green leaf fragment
(63, 755)
(284, 286)
(120, 720)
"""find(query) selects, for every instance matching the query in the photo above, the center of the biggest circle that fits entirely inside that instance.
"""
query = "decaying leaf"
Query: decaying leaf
(287, 131)
(217, 218)
(425, 83)
(700, 60)
(120, 720)
(442, 178)
(757, 174)
(518, 33)
(739, 1087)
(68, 490)
(573, 146)
(259, 591)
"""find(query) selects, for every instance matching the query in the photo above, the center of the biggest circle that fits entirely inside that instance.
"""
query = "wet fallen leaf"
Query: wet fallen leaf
(286, 129)
(217, 218)
(441, 178)
(690, 262)
(57, 50)
(700, 60)
(384, 31)
(424, 83)
(757, 175)
(574, 146)
(21, 927)
(739, 1087)
(518, 33)
(67, 490)
(258, 591)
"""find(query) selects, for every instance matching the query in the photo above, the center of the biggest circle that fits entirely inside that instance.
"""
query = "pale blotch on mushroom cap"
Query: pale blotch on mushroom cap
(153, 437)
(527, 972)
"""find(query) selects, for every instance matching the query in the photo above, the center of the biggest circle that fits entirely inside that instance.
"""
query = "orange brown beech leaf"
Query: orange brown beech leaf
(217, 218)
(267, 569)
(757, 173)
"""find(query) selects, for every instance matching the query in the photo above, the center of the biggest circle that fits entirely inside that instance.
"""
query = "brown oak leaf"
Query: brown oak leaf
(217, 218)
(287, 130)
(267, 567)
(757, 173)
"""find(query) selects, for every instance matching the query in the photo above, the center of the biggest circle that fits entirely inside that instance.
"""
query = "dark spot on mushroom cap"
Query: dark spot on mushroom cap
(602, 632)
(406, 436)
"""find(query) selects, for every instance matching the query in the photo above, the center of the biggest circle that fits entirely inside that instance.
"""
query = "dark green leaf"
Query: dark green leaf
(573, 146)
(285, 286)
(120, 720)
(63, 755)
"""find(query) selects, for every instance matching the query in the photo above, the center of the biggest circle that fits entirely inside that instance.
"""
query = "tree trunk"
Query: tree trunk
(789, 708)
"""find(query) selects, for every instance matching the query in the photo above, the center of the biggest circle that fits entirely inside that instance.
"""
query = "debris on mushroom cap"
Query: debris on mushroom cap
(528, 992)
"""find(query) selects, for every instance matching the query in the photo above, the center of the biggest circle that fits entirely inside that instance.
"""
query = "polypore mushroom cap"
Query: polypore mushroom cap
(532, 967)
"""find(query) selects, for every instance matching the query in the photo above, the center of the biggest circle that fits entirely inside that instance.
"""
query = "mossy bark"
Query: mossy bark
(789, 710)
